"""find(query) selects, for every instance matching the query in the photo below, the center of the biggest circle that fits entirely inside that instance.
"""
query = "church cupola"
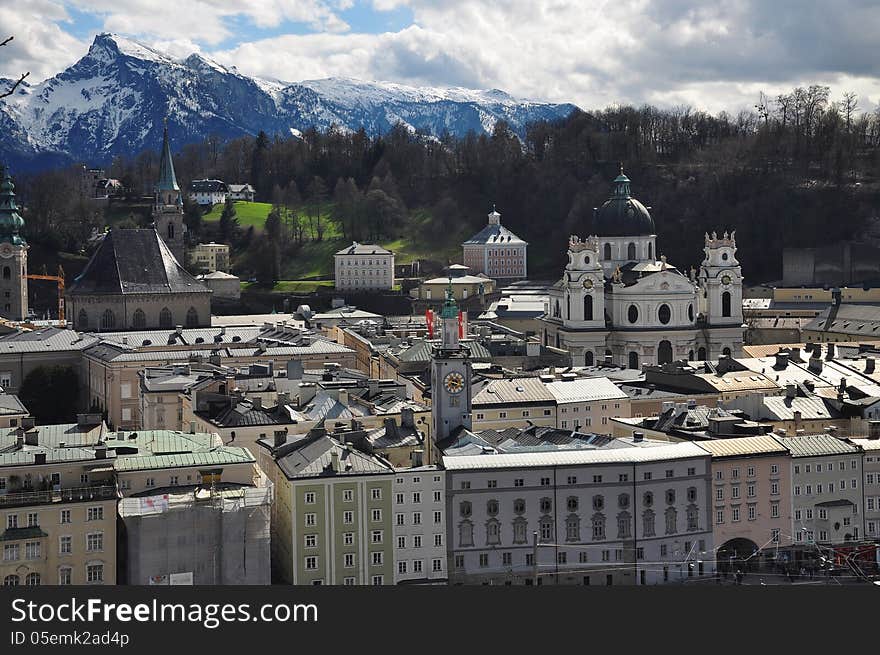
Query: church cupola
(622, 215)
(494, 217)
(11, 222)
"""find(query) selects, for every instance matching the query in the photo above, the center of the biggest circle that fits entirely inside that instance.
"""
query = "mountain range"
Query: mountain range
(115, 99)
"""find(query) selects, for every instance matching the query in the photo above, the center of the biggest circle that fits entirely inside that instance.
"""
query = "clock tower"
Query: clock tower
(450, 375)
(13, 254)
(168, 209)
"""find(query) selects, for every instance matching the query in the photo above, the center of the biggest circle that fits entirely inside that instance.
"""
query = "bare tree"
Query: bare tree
(6, 94)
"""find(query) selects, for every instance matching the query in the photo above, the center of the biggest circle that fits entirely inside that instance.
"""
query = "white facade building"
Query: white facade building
(871, 449)
(364, 267)
(588, 404)
(617, 298)
(420, 525)
(208, 192)
(496, 251)
(630, 512)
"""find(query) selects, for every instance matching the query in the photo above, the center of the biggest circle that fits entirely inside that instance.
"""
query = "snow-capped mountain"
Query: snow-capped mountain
(114, 100)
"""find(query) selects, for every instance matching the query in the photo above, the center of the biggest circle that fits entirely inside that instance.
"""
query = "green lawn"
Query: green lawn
(292, 286)
(248, 213)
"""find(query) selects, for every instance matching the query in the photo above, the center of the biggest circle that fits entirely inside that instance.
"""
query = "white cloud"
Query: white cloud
(41, 46)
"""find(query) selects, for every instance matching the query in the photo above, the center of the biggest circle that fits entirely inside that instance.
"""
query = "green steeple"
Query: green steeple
(11, 221)
(167, 178)
(450, 309)
(621, 185)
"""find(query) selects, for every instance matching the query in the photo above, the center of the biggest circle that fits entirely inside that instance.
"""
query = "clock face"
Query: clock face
(725, 279)
(454, 382)
(588, 284)
(6, 250)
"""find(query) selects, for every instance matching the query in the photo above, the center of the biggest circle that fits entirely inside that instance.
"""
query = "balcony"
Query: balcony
(73, 495)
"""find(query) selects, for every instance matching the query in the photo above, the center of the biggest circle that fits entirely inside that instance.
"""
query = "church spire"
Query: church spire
(167, 178)
(11, 221)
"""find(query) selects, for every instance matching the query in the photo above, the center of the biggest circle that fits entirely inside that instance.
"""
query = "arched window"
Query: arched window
(568, 307)
(82, 320)
(556, 312)
(588, 307)
(165, 318)
(725, 303)
(192, 317)
(671, 520)
(598, 522)
(664, 314)
(108, 320)
(10, 581)
(32, 580)
(588, 358)
(465, 533)
(139, 319)
(726, 351)
(664, 352)
(493, 532)
(623, 525)
(690, 355)
(7, 272)
(171, 230)
(573, 528)
(648, 523)
(701, 354)
(691, 313)
(631, 251)
(650, 251)
(632, 314)
(607, 251)
(634, 360)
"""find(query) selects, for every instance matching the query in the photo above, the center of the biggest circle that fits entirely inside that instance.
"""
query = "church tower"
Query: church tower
(13, 254)
(450, 375)
(168, 210)
(721, 295)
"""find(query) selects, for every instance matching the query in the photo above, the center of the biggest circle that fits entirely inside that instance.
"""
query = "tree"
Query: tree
(347, 208)
(51, 394)
(229, 227)
(260, 175)
(317, 196)
(192, 216)
(15, 85)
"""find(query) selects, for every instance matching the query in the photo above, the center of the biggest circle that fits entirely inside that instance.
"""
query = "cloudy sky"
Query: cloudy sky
(712, 54)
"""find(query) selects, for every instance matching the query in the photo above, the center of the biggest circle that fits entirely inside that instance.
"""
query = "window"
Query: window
(95, 541)
(95, 573)
(437, 497)
(310, 498)
(377, 558)
(751, 512)
(664, 314)
(347, 495)
(436, 565)
(466, 484)
(598, 523)
(33, 520)
(399, 499)
(671, 520)
(95, 514)
(32, 550)
(311, 519)
(378, 580)
(311, 563)
(734, 492)
(623, 477)
(348, 517)
(572, 479)
(311, 541)
(65, 516)
(546, 505)
(518, 482)
(417, 518)
(597, 479)
(348, 538)
(65, 576)
(376, 494)
(484, 560)
(719, 516)
(719, 493)
(417, 497)
(545, 482)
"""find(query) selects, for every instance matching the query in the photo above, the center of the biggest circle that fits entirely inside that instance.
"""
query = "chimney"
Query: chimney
(88, 419)
(782, 358)
(873, 429)
(178, 329)
(334, 461)
(283, 398)
(294, 370)
(280, 438)
(609, 360)
(100, 451)
(830, 352)
(373, 386)
(192, 427)
(408, 417)
(32, 437)
(417, 457)
(815, 364)
(795, 354)
(343, 397)
(257, 402)
(39, 458)
(28, 422)
(790, 390)
(390, 428)
(638, 437)
(124, 341)
(869, 365)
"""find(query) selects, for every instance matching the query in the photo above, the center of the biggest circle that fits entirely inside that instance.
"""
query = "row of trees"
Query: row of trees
(781, 175)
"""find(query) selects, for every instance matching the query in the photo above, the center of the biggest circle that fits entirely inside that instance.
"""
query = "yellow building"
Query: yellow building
(211, 257)
(57, 505)
(463, 286)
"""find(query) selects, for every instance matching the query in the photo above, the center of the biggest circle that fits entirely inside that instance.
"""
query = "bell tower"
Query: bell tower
(168, 209)
(450, 375)
(721, 281)
(13, 254)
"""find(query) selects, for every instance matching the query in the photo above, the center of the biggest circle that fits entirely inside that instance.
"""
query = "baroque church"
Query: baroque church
(618, 303)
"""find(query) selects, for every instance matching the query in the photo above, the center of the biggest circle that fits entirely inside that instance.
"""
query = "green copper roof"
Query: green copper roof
(11, 221)
(167, 178)
(450, 309)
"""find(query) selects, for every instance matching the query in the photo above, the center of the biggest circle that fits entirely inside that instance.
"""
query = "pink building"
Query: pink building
(496, 251)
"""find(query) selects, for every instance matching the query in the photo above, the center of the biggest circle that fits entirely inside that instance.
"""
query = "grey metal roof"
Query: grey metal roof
(513, 390)
(50, 339)
(10, 404)
(584, 390)
(862, 320)
(134, 262)
(495, 235)
(312, 457)
(364, 249)
(744, 446)
(217, 457)
(816, 445)
(780, 408)
(659, 453)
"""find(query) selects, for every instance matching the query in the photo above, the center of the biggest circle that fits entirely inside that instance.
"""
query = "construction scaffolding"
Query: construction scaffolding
(201, 536)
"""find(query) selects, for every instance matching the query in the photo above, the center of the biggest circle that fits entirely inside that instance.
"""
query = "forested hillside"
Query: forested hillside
(799, 170)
